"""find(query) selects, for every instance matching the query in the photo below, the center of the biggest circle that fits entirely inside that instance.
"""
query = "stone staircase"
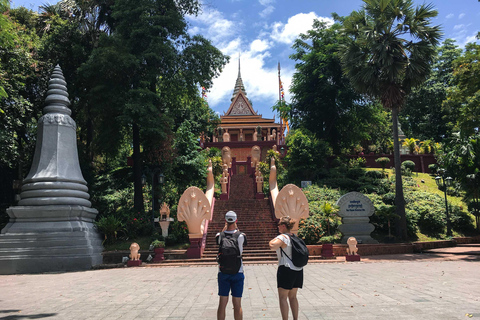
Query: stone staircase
(254, 219)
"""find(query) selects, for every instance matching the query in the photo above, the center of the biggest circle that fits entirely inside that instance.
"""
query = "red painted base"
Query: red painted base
(224, 196)
(159, 257)
(134, 263)
(195, 249)
(350, 257)
(327, 250)
(259, 195)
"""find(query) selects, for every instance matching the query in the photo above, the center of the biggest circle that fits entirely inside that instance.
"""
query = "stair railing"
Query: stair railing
(291, 201)
(196, 209)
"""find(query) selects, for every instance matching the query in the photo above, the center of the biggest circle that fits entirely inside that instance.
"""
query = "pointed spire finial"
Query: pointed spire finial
(57, 95)
(239, 83)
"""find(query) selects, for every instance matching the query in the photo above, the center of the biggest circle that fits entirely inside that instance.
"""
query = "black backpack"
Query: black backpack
(299, 251)
(229, 257)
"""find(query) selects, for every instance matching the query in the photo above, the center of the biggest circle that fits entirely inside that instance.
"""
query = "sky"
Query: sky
(261, 32)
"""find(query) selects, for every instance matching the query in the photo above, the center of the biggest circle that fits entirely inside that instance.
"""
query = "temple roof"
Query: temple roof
(240, 104)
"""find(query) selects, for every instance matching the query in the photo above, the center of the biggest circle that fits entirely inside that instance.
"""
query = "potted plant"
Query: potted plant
(159, 249)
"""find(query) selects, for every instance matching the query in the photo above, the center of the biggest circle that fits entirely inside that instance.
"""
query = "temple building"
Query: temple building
(241, 128)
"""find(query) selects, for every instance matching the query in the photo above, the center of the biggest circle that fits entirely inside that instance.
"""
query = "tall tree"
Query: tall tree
(390, 48)
(461, 158)
(21, 87)
(463, 97)
(423, 115)
(324, 102)
(149, 63)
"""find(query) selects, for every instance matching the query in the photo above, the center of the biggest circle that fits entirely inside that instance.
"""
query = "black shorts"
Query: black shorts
(288, 278)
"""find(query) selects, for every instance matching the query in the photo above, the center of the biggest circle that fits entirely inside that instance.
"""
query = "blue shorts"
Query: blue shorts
(230, 281)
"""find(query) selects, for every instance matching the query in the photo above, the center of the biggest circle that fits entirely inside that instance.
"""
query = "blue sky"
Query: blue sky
(262, 33)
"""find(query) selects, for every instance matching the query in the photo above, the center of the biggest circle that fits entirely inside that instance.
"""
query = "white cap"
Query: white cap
(230, 216)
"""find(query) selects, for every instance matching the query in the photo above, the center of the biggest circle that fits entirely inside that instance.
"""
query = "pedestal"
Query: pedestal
(134, 263)
(195, 249)
(259, 195)
(164, 225)
(224, 196)
(352, 257)
(49, 239)
(159, 257)
(327, 250)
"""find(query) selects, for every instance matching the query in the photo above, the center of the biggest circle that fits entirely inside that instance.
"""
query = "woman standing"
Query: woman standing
(289, 277)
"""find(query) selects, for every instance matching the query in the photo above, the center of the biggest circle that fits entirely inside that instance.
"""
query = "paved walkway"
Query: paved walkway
(425, 286)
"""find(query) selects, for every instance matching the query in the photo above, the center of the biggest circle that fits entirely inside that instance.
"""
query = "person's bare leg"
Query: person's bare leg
(222, 305)
(292, 298)
(237, 308)
(282, 298)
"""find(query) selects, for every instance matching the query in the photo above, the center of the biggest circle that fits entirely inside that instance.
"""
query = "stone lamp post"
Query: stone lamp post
(52, 228)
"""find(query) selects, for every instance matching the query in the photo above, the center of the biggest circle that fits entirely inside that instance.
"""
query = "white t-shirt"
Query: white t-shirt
(283, 258)
(241, 240)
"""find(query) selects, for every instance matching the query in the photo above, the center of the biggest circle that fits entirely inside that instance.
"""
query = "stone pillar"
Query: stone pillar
(52, 228)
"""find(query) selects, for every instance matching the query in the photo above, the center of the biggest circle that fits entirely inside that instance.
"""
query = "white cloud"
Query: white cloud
(300, 23)
(259, 45)
(450, 15)
(458, 26)
(461, 15)
(266, 2)
(267, 11)
(212, 25)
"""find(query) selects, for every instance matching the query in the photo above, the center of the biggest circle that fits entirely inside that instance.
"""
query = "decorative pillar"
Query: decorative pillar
(52, 228)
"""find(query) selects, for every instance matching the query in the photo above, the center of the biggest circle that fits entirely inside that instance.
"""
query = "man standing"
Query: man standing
(230, 275)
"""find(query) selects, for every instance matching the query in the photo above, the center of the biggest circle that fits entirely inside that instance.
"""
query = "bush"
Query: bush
(461, 221)
(383, 161)
(374, 174)
(433, 168)
(408, 164)
(342, 183)
(316, 193)
(357, 162)
(179, 232)
(355, 173)
(110, 226)
(310, 230)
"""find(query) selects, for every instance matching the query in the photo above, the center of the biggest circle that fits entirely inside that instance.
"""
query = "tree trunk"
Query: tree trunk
(401, 225)
(137, 171)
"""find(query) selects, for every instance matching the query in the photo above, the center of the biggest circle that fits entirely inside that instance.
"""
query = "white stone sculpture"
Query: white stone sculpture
(272, 181)
(259, 179)
(256, 154)
(194, 208)
(352, 246)
(227, 156)
(292, 202)
(134, 251)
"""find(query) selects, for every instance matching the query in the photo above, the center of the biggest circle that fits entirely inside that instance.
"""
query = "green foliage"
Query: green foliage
(383, 161)
(306, 155)
(357, 162)
(321, 194)
(408, 164)
(463, 98)
(411, 144)
(110, 226)
(389, 71)
(424, 115)
(158, 244)
(310, 230)
(324, 102)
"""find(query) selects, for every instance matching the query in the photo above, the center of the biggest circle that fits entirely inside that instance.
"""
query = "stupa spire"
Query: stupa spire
(238, 84)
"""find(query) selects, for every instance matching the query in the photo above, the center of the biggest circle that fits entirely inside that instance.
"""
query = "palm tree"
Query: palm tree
(389, 50)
